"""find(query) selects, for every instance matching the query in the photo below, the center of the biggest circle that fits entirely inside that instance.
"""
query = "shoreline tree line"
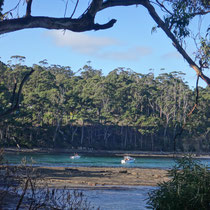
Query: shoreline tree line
(123, 110)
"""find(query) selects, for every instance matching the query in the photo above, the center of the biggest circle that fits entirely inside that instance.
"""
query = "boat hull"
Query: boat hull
(75, 157)
(127, 161)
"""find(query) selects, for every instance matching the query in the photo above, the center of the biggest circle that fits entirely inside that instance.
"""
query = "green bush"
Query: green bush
(188, 188)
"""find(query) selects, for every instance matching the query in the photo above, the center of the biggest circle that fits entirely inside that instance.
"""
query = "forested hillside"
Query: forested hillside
(123, 110)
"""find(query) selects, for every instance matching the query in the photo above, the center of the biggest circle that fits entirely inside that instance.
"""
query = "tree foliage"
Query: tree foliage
(122, 110)
(188, 188)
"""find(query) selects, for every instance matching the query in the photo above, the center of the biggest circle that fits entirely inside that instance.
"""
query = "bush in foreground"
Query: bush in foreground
(188, 188)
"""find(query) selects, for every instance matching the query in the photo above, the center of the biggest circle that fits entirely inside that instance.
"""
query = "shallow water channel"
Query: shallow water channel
(64, 160)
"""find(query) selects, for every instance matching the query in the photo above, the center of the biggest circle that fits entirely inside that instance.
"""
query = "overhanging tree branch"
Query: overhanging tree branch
(76, 25)
(176, 44)
(94, 8)
(84, 23)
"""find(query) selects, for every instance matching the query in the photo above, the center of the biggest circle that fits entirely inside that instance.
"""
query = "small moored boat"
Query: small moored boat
(76, 156)
(127, 159)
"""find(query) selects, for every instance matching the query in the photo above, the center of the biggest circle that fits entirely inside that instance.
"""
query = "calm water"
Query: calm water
(122, 198)
(129, 198)
(64, 160)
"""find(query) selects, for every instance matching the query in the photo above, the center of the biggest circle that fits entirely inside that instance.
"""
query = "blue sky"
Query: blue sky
(128, 44)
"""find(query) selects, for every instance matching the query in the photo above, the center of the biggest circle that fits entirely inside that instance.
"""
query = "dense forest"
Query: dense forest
(123, 110)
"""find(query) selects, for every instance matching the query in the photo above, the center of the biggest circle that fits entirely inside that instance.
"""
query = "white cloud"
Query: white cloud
(172, 55)
(131, 54)
(82, 42)
(101, 47)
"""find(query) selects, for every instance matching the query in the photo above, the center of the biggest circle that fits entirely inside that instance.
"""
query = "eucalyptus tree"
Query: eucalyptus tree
(58, 95)
(110, 84)
(14, 77)
(91, 78)
(4, 93)
(204, 119)
(5, 96)
(80, 100)
(11, 87)
(93, 97)
(147, 114)
(37, 96)
(74, 88)
(198, 125)
(173, 103)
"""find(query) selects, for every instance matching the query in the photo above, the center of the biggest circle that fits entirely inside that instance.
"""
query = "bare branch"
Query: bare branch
(75, 8)
(163, 7)
(66, 8)
(23, 194)
(28, 8)
(8, 12)
(113, 3)
(76, 25)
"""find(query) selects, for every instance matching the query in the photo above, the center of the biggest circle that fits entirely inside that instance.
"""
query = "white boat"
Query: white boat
(76, 156)
(127, 159)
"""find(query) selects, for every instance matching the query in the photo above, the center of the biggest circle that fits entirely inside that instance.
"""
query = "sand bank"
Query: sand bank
(81, 177)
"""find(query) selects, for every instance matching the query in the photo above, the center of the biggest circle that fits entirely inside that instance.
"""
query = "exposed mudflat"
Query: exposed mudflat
(101, 176)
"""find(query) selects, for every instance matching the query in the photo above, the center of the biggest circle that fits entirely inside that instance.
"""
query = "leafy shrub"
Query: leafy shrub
(188, 188)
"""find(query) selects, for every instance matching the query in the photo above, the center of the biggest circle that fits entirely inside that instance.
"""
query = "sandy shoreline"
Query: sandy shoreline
(101, 177)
